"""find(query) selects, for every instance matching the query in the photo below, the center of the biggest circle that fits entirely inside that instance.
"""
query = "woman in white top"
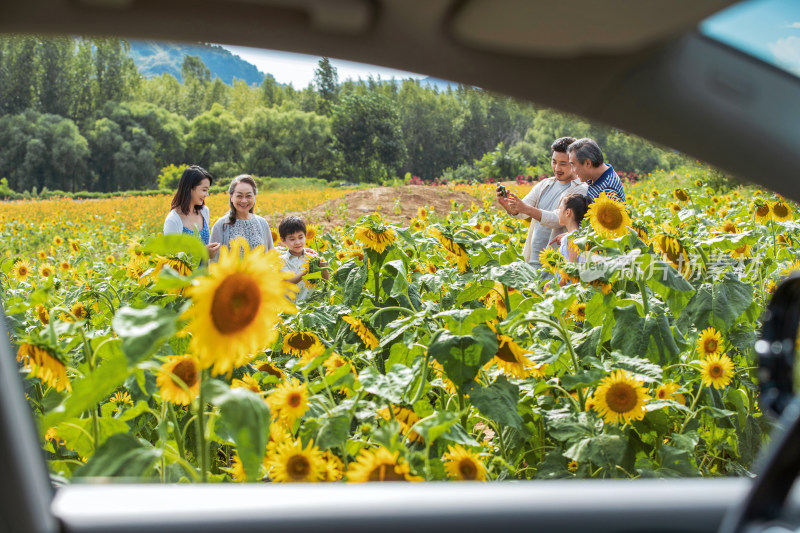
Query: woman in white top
(241, 221)
(189, 213)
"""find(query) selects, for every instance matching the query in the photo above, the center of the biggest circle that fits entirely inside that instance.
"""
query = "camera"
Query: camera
(502, 190)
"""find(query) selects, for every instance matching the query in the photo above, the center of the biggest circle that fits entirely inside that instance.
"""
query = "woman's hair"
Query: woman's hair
(579, 205)
(190, 179)
(241, 178)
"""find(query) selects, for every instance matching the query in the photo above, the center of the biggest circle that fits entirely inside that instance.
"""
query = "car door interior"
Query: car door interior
(686, 91)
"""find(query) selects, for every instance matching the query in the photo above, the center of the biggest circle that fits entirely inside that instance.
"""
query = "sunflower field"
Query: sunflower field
(432, 352)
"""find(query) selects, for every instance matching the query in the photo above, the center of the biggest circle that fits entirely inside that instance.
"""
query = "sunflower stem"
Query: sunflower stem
(645, 299)
(201, 433)
(506, 299)
(176, 430)
(692, 412)
(562, 326)
(422, 379)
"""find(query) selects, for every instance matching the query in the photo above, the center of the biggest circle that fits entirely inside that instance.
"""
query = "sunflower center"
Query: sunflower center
(467, 469)
(681, 195)
(23, 271)
(710, 345)
(301, 341)
(187, 371)
(385, 472)
(762, 211)
(716, 371)
(236, 303)
(504, 352)
(294, 399)
(780, 210)
(621, 398)
(610, 217)
(662, 394)
(298, 467)
(269, 369)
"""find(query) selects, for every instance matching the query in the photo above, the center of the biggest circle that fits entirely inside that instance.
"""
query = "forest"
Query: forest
(76, 115)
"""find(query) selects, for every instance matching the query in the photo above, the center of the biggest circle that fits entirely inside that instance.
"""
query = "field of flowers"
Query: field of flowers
(432, 352)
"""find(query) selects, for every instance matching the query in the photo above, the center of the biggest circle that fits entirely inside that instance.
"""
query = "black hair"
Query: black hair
(241, 178)
(289, 225)
(587, 149)
(578, 203)
(561, 144)
(190, 179)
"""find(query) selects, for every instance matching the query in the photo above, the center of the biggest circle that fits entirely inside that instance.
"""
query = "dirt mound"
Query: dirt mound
(396, 204)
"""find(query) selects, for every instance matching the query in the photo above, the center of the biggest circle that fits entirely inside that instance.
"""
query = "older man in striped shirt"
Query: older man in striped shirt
(587, 163)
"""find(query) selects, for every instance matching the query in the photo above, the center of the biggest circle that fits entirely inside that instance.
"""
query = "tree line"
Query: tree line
(75, 114)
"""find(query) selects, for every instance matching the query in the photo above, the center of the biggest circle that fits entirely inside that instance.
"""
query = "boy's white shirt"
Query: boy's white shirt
(298, 264)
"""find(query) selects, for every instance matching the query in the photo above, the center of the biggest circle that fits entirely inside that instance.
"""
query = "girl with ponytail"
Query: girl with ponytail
(571, 211)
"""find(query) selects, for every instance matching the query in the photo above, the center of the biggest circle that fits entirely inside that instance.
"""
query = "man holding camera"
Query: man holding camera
(541, 203)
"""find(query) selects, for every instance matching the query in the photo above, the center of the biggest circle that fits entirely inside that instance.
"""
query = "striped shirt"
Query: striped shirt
(608, 182)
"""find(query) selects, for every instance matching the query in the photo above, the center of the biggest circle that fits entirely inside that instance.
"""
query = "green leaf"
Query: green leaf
(638, 366)
(392, 387)
(717, 305)
(143, 331)
(77, 433)
(244, 420)
(603, 450)
(461, 321)
(169, 245)
(498, 402)
(462, 356)
(586, 378)
(354, 284)
(667, 282)
(332, 431)
(519, 275)
(435, 425)
(648, 336)
(122, 456)
(169, 279)
(90, 390)
(475, 291)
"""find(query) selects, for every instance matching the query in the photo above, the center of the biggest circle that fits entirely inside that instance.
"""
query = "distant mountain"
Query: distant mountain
(155, 58)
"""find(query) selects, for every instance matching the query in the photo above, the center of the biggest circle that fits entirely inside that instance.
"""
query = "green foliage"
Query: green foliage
(169, 176)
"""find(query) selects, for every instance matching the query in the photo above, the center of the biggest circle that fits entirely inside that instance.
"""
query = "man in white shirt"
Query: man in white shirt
(541, 203)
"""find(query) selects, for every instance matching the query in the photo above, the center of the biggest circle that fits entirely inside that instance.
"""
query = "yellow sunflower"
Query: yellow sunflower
(453, 247)
(375, 239)
(46, 270)
(406, 417)
(58, 240)
(247, 382)
(668, 391)
(608, 217)
(681, 195)
(74, 246)
(620, 397)
(577, 310)
(21, 269)
(237, 470)
(121, 398)
(334, 468)
(289, 462)
(311, 232)
(45, 365)
(780, 211)
(727, 226)
(42, 255)
(236, 307)
(269, 368)
(552, 259)
(716, 371)
(741, 252)
(379, 465)
(709, 343)
(110, 259)
(303, 344)
(486, 228)
(42, 314)
(177, 265)
(761, 210)
(179, 379)
(289, 401)
(512, 359)
(333, 363)
(672, 250)
(463, 465)
(367, 337)
(79, 310)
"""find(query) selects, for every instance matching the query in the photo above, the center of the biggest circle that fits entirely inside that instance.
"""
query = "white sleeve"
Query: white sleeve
(531, 199)
(173, 224)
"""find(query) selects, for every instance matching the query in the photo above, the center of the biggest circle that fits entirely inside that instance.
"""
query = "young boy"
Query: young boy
(292, 231)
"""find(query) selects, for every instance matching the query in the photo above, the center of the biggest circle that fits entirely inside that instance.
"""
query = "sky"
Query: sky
(298, 69)
(768, 29)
